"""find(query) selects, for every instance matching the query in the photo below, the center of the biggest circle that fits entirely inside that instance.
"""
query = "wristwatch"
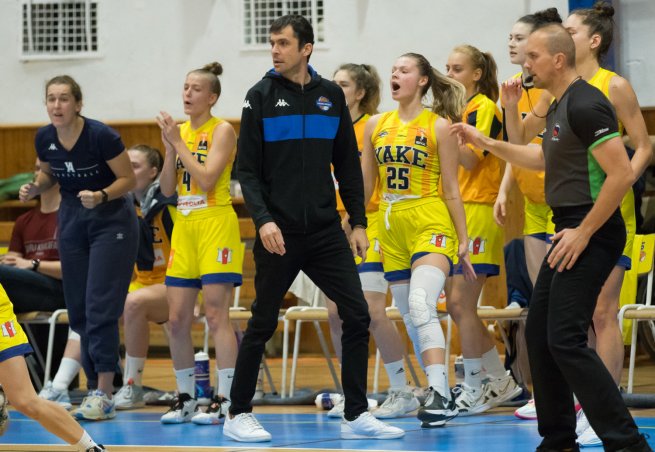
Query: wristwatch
(35, 264)
(105, 196)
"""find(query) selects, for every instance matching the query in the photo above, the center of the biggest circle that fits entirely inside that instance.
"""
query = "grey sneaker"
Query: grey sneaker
(55, 395)
(129, 397)
(397, 404)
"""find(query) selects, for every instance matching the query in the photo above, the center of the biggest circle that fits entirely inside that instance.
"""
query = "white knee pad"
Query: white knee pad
(426, 284)
(400, 294)
(373, 282)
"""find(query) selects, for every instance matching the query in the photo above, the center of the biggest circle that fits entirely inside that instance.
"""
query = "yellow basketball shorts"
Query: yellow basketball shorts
(205, 249)
(13, 340)
(374, 254)
(485, 239)
(538, 220)
(416, 228)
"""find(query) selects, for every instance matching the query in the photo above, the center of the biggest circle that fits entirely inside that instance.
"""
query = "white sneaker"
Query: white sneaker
(4, 413)
(397, 404)
(337, 409)
(130, 396)
(55, 395)
(366, 426)
(588, 438)
(499, 390)
(246, 428)
(95, 407)
(215, 413)
(182, 409)
(470, 401)
(527, 411)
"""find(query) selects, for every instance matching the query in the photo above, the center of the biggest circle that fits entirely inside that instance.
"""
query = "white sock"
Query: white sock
(68, 370)
(186, 381)
(85, 442)
(134, 370)
(492, 365)
(397, 375)
(224, 385)
(436, 374)
(473, 373)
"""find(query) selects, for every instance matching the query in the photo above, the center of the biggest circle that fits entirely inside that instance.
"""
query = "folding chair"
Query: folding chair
(643, 249)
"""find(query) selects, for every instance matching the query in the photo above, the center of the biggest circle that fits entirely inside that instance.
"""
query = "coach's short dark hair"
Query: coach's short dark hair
(302, 29)
(558, 40)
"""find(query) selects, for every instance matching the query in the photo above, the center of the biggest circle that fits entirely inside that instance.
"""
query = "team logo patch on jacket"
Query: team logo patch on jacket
(323, 103)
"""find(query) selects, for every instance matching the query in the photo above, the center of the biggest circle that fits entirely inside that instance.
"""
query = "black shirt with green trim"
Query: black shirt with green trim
(581, 120)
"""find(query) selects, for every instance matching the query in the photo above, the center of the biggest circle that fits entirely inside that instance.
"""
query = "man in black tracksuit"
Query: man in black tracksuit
(294, 125)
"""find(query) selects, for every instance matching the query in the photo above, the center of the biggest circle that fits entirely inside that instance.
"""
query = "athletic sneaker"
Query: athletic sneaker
(470, 401)
(246, 428)
(397, 404)
(366, 426)
(129, 397)
(98, 448)
(527, 411)
(586, 435)
(182, 409)
(499, 390)
(55, 395)
(215, 413)
(4, 413)
(337, 409)
(96, 406)
(437, 410)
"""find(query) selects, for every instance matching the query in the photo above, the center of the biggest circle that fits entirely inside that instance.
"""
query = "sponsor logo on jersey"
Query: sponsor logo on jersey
(555, 136)
(439, 240)
(202, 144)
(601, 131)
(421, 140)
(282, 103)
(52, 147)
(9, 329)
(323, 103)
(246, 104)
(224, 255)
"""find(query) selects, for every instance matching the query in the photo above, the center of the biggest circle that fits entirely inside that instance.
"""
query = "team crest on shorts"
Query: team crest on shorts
(9, 329)
(224, 255)
(438, 240)
(477, 245)
(323, 103)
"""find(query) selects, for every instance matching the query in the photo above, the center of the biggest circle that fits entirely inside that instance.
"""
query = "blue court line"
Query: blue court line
(493, 433)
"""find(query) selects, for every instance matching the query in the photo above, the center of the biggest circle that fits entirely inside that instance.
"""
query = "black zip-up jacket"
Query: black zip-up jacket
(290, 134)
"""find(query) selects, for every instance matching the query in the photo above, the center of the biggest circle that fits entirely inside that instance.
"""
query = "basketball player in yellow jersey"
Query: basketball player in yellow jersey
(361, 87)
(409, 150)
(16, 386)
(206, 247)
(479, 180)
(591, 30)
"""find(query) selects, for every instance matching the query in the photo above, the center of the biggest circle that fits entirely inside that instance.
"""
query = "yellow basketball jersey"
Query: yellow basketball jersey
(189, 195)
(374, 202)
(481, 184)
(601, 80)
(407, 155)
(531, 183)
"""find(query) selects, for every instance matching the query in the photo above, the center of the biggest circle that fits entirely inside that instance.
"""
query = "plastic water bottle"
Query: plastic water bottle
(327, 400)
(204, 389)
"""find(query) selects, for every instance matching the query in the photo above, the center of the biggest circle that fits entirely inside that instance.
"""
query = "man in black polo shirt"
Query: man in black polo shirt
(587, 174)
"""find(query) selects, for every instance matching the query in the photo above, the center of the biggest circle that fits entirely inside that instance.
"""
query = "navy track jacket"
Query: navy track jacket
(290, 134)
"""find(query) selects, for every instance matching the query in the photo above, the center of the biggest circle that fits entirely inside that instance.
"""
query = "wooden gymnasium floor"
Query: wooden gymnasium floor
(304, 427)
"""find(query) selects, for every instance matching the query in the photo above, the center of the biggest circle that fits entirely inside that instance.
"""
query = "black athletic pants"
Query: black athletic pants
(561, 310)
(326, 258)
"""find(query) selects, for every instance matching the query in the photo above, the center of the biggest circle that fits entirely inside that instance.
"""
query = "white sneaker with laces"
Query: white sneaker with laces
(129, 397)
(182, 409)
(499, 390)
(96, 406)
(337, 409)
(215, 413)
(397, 404)
(55, 395)
(588, 438)
(527, 411)
(470, 401)
(366, 426)
(245, 428)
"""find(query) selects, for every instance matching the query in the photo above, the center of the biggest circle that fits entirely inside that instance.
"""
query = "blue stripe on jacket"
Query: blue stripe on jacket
(289, 127)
